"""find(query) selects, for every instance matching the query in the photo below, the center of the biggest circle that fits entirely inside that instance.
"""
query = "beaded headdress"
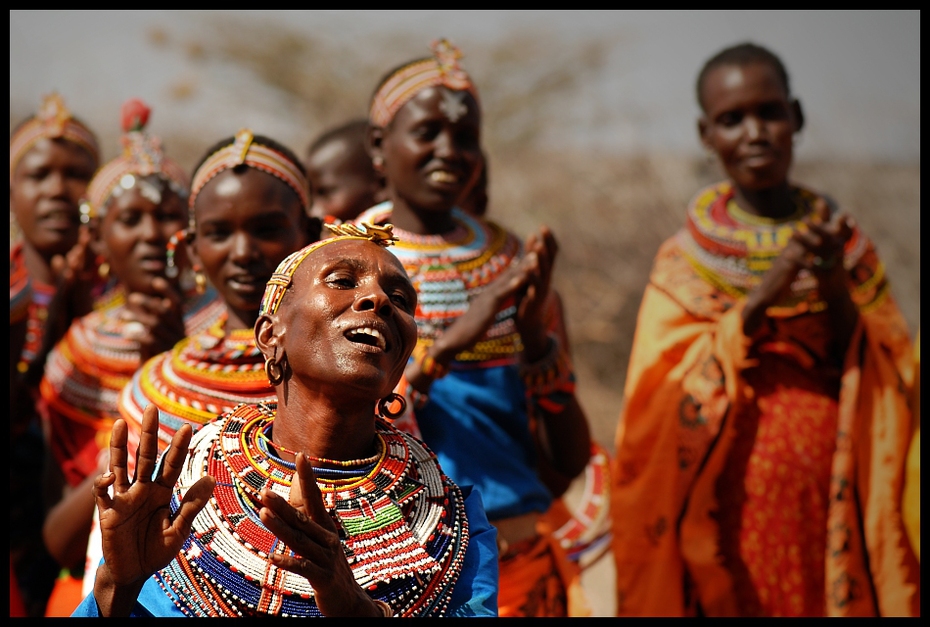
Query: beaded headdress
(52, 121)
(442, 69)
(280, 281)
(142, 156)
(245, 151)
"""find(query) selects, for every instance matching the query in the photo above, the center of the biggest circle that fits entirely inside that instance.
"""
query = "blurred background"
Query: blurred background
(589, 119)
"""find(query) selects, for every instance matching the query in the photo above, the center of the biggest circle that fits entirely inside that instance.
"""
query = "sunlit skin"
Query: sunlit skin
(342, 179)
(429, 160)
(246, 223)
(45, 192)
(134, 234)
(334, 293)
(325, 408)
(749, 122)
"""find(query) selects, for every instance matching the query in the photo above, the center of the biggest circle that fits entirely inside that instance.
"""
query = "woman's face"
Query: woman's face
(247, 223)
(749, 121)
(45, 192)
(349, 319)
(431, 149)
(135, 233)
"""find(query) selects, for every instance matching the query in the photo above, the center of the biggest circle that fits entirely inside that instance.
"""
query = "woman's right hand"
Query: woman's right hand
(304, 525)
(157, 320)
(140, 535)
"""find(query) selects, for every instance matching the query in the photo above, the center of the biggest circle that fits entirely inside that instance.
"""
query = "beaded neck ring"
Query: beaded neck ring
(280, 281)
(52, 121)
(442, 69)
(142, 157)
(402, 525)
(263, 434)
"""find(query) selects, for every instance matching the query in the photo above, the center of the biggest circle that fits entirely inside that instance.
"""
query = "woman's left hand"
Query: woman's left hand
(824, 241)
(541, 250)
(304, 525)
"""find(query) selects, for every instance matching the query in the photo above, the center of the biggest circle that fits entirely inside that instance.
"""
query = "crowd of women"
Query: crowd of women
(334, 387)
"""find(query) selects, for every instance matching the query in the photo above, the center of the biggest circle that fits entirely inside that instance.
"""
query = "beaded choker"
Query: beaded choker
(733, 250)
(402, 522)
(451, 269)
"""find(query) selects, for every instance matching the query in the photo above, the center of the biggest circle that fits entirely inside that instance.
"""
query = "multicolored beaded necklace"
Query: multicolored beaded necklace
(202, 377)
(733, 250)
(88, 368)
(451, 269)
(402, 521)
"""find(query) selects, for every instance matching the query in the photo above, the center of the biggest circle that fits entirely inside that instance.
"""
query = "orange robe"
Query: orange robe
(708, 413)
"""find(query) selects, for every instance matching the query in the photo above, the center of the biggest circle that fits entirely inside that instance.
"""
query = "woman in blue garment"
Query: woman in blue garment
(313, 506)
(492, 384)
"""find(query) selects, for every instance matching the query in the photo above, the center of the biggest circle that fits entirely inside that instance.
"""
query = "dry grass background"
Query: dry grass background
(609, 212)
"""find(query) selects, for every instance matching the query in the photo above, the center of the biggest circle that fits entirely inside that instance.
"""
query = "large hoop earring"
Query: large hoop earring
(384, 406)
(271, 365)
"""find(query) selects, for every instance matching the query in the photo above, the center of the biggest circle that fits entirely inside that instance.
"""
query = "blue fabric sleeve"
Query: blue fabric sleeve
(152, 601)
(475, 593)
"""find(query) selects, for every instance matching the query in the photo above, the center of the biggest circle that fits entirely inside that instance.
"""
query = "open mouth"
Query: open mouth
(247, 283)
(443, 176)
(368, 337)
(60, 218)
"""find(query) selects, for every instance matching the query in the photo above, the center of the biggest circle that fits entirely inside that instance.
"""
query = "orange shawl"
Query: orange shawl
(689, 349)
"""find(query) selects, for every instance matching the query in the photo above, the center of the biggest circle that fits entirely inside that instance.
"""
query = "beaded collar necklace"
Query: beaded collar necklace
(402, 524)
(732, 250)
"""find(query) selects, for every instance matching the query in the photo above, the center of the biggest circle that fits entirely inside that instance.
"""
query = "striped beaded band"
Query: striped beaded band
(244, 151)
(280, 281)
(52, 121)
(443, 69)
(142, 156)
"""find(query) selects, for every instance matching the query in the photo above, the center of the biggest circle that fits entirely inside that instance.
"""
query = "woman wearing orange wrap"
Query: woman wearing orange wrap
(761, 448)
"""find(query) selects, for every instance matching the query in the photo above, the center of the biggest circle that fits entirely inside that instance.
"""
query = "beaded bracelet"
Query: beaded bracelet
(428, 366)
(550, 382)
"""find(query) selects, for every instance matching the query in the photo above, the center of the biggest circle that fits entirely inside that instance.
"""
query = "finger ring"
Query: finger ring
(824, 264)
(134, 330)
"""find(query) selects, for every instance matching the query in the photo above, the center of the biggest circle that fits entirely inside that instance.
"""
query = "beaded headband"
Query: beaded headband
(52, 121)
(443, 69)
(245, 151)
(142, 156)
(280, 281)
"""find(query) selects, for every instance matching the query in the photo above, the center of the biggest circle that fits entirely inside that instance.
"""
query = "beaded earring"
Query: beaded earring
(384, 406)
(200, 281)
(171, 269)
(104, 270)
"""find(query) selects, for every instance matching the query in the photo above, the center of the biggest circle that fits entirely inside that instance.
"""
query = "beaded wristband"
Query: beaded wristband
(428, 366)
(550, 382)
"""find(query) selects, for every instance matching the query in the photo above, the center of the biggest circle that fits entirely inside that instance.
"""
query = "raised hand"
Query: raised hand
(304, 525)
(155, 321)
(140, 535)
(817, 247)
(539, 260)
